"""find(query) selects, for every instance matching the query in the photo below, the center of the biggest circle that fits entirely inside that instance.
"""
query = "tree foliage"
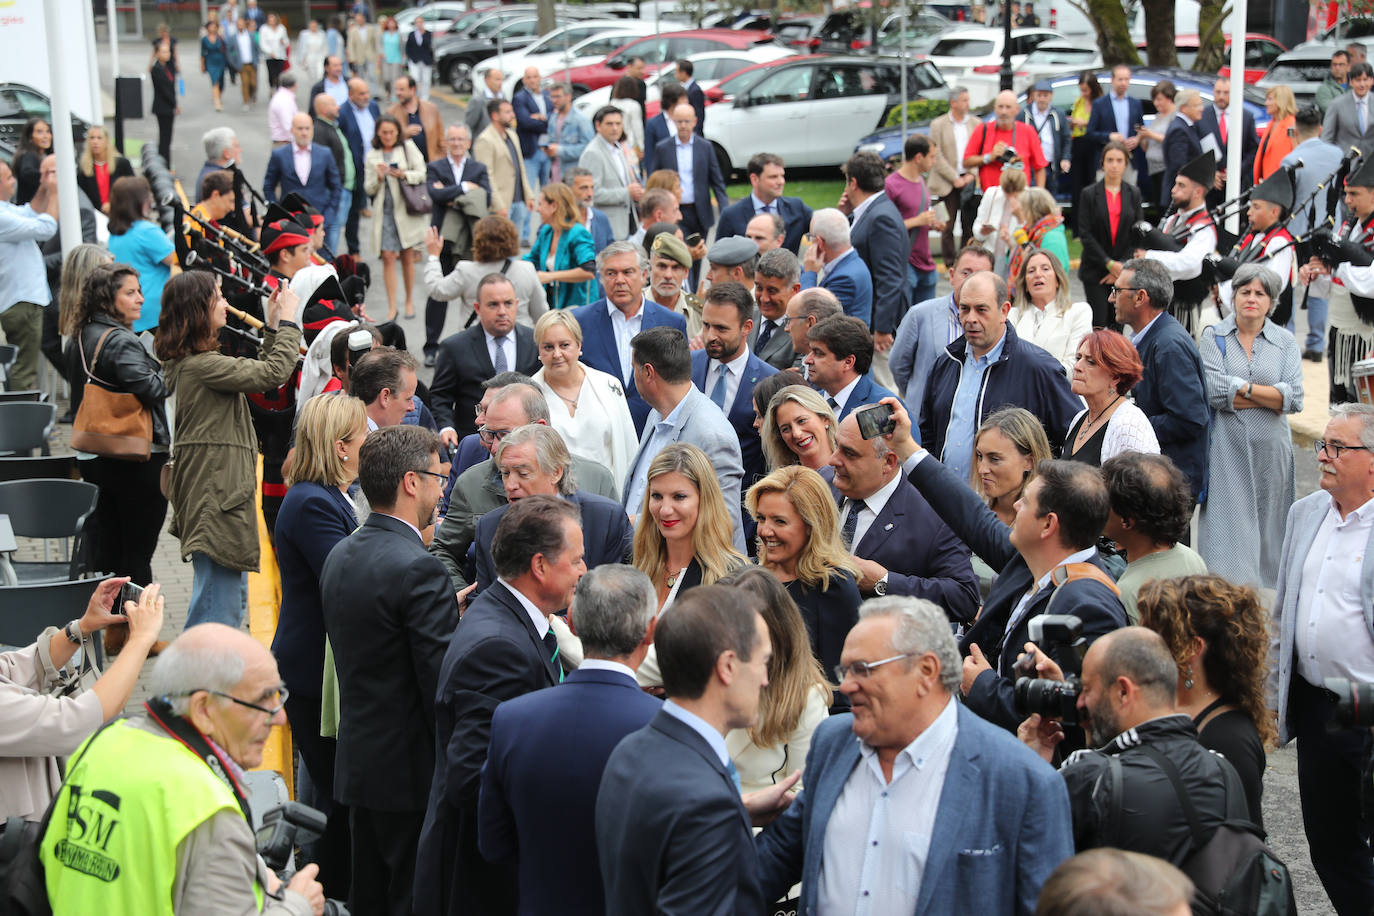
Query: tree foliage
(1113, 30)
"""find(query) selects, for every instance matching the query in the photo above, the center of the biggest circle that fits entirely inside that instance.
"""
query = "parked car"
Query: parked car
(798, 32)
(438, 17)
(1260, 53)
(455, 55)
(1050, 59)
(572, 45)
(1349, 28)
(708, 69)
(658, 50)
(811, 110)
(1303, 69)
(855, 29)
(18, 103)
(959, 51)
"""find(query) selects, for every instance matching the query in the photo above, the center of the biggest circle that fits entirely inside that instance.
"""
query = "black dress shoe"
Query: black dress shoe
(429, 360)
(1313, 355)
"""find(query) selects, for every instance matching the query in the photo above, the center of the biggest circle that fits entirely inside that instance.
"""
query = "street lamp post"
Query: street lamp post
(1006, 45)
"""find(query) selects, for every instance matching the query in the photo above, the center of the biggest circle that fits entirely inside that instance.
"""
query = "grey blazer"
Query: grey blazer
(1304, 519)
(777, 352)
(1342, 124)
(612, 195)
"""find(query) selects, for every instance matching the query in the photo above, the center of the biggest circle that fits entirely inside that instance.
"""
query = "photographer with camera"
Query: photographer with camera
(993, 144)
(153, 817)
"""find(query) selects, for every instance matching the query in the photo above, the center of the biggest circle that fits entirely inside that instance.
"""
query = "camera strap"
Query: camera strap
(160, 711)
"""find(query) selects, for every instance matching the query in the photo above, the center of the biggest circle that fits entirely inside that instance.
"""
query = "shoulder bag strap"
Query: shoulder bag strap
(1189, 809)
(90, 374)
(505, 267)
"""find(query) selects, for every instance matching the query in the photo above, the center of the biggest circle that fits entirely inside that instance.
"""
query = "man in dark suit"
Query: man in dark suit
(329, 134)
(840, 355)
(1002, 820)
(661, 127)
(880, 237)
(672, 832)
(1172, 390)
(694, 160)
(1214, 123)
(1117, 116)
(332, 84)
(727, 371)
(389, 611)
(320, 185)
(358, 121)
(461, 191)
(832, 264)
(1182, 141)
(467, 359)
(533, 460)
(503, 648)
(767, 180)
(899, 544)
(1047, 562)
(777, 278)
(695, 97)
(548, 826)
(606, 337)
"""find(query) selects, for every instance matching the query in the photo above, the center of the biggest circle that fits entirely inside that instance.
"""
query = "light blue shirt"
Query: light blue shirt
(23, 277)
(699, 725)
(1122, 109)
(337, 90)
(367, 125)
(1139, 336)
(684, 170)
(145, 247)
(963, 414)
(665, 431)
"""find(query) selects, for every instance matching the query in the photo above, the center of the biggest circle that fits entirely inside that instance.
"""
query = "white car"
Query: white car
(572, 45)
(709, 68)
(958, 52)
(439, 17)
(1050, 59)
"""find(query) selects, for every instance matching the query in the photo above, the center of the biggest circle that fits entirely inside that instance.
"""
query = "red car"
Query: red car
(658, 50)
(1260, 52)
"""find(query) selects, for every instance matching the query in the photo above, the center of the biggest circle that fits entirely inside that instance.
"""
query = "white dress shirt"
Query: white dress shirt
(507, 345)
(699, 725)
(537, 617)
(625, 328)
(458, 165)
(733, 370)
(1186, 263)
(962, 131)
(859, 210)
(873, 505)
(604, 664)
(878, 838)
(842, 396)
(367, 125)
(684, 169)
(1082, 556)
(1332, 638)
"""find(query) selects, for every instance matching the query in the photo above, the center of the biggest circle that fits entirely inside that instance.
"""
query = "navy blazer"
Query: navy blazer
(1100, 609)
(656, 130)
(548, 826)
(354, 135)
(671, 830)
(599, 351)
(923, 558)
(697, 99)
(312, 519)
(1207, 124)
(741, 414)
(462, 364)
(849, 280)
(495, 655)
(1002, 825)
(607, 535)
(322, 188)
(883, 243)
(1182, 144)
(865, 392)
(602, 233)
(441, 170)
(796, 219)
(1102, 124)
(527, 127)
(706, 176)
(1172, 392)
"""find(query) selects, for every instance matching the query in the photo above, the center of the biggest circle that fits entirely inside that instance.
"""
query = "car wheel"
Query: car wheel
(458, 74)
(723, 158)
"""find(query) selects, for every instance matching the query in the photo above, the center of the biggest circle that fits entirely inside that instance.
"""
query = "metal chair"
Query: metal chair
(7, 397)
(25, 427)
(50, 509)
(25, 610)
(44, 467)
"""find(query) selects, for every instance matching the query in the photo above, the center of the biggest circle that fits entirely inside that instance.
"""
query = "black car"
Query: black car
(19, 103)
(506, 29)
(851, 30)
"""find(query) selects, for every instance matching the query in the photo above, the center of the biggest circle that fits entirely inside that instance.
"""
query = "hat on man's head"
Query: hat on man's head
(1042, 86)
(1362, 176)
(282, 233)
(1276, 189)
(670, 246)
(732, 251)
(301, 211)
(1202, 170)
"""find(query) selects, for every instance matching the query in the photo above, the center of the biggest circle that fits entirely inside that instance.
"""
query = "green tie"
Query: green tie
(551, 643)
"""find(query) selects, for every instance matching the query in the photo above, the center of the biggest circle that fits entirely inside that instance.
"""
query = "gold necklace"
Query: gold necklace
(672, 575)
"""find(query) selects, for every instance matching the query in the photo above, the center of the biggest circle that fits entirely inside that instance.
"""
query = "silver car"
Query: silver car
(1302, 69)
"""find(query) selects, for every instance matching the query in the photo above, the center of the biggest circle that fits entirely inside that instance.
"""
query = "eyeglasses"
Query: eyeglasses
(443, 478)
(281, 692)
(1122, 289)
(1334, 450)
(492, 435)
(864, 669)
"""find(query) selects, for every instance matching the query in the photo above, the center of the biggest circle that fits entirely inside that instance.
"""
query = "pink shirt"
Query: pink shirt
(280, 111)
(301, 155)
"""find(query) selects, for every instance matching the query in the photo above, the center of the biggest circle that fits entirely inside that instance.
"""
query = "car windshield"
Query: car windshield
(742, 81)
(963, 47)
(1298, 71)
(1055, 56)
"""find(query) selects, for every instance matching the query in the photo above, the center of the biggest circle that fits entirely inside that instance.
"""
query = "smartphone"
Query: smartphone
(875, 420)
(693, 240)
(128, 592)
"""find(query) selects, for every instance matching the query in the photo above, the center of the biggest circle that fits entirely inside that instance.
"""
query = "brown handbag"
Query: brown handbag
(111, 424)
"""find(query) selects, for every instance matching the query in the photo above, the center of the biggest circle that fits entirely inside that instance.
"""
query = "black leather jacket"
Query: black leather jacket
(123, 365)
(1150, 818)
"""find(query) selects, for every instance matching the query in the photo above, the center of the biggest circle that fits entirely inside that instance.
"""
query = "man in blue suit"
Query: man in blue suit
(661, 127)
(727, 371)
(503, 648)
(1117, 116)
(898, 542)
(358, 121)
(672, 833)
(767, 179)
(840, 353)
(548, 826)
(609, 324)
(320, 185)
(583, 184)
(880, 237)
(1001, 825)
(533, 108)
(1211, 124)
(1182, 141)
(832, 263)
(694, 160)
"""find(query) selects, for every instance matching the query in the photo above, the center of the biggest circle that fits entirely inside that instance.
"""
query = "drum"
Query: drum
(1362, 375)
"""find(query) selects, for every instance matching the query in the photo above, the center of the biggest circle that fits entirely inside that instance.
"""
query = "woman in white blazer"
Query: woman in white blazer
(396, 233)
(1042, 313)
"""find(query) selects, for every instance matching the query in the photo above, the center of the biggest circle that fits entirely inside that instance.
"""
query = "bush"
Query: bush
(917, 110)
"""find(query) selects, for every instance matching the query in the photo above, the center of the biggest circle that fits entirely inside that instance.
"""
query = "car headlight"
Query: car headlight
(871, 148)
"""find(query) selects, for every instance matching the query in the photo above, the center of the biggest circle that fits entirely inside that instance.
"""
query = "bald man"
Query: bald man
(329, 134)
(304, 167)
(358, 121)
(995, 144)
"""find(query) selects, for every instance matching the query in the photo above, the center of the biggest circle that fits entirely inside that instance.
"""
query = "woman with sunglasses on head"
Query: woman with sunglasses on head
(799, 428)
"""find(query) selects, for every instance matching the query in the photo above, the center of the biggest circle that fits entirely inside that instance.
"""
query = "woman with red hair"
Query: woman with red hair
(1107, 367)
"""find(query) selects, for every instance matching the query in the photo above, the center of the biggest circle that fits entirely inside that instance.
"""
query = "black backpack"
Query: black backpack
(1234, 872)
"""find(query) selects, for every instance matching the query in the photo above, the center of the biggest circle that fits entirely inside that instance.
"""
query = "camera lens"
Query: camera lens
(1052, 699)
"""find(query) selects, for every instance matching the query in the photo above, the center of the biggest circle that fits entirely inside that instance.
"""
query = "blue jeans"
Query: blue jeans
(520, 215)
(922, 282)
(1316, 322)
(218, 594)
(336, 225)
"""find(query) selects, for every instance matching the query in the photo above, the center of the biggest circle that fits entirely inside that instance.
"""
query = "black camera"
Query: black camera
(1009, 155)
(283, 829)
(1354, 702)
(1051, 699)
(1059, 636)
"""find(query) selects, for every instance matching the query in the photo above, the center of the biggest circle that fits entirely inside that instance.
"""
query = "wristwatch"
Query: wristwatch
(73, 632)
(880, 587)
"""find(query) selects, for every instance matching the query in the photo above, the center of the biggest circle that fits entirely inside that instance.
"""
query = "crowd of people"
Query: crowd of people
(692, 505)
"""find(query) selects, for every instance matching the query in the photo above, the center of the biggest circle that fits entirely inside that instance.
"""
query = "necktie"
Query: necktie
(834, 404)
(1364, 115)
(765, 333)
(851, 523)
(718, 392)
(734, 775)
(551, 644)
(767, 208)
(500, 362)
(1221, 125)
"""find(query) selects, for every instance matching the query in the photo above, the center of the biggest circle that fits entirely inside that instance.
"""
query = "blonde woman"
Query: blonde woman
(799, 543)
(1007, 448)
(586, 406)
(1277, 142)
(799, 428)
(396, 232)
(1043, 227)
(1042, 312)
(563, 253)
(99, 167)
(996, 219)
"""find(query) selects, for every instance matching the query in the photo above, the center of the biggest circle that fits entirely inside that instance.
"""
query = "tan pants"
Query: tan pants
(248, 81)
